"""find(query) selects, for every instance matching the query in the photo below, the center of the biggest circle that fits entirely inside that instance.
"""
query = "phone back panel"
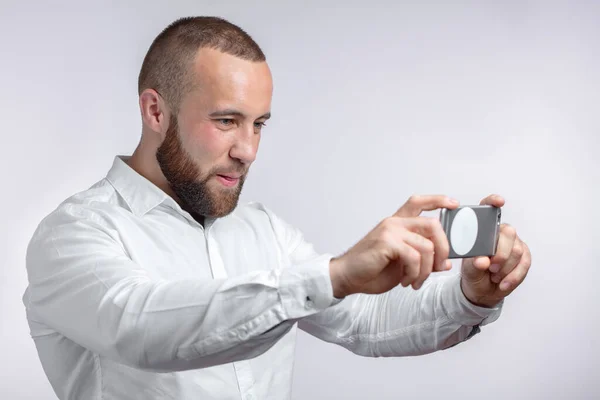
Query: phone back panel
(487, 230)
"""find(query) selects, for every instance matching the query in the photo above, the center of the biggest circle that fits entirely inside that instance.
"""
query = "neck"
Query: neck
(143, 161)
(199, 218)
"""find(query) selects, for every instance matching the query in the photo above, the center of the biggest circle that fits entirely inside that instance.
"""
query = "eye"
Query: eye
(259, 125)
(225, 121)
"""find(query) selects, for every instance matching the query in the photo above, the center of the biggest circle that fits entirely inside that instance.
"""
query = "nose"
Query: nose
(246, 145)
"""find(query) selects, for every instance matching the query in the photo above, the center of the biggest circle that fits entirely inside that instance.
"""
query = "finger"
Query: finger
(513, 260)
(482, 263)
(426, 248)
(392, 274)
(493, 200)
(448, 265)
(475, 269)
(389, 278)
(417, 204)
(518, 274)
(431, 228)
(411, 259)
(506, 242)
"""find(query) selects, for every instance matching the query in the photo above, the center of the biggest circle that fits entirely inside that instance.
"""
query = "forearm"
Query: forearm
(401, 322)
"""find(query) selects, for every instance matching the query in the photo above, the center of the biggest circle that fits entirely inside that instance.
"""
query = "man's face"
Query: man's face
(209, 147)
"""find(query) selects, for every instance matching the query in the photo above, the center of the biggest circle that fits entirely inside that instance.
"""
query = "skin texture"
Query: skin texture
(406, 248)
(217, 132)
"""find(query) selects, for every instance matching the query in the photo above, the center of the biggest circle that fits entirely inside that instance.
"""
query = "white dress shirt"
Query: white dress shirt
(130, 298)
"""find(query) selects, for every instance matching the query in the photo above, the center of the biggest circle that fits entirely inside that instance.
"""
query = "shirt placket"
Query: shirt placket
(243, 371)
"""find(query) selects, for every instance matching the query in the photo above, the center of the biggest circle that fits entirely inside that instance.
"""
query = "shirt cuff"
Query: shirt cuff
(460, 310)
(306, 288)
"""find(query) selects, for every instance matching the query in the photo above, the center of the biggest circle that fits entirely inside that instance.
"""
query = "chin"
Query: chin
(224, 205)
(220, 213)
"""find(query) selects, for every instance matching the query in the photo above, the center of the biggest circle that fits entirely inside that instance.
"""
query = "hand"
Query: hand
(486, 281)
(403, 248)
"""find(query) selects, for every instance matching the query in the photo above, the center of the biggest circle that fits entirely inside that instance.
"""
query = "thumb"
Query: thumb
(475, 268)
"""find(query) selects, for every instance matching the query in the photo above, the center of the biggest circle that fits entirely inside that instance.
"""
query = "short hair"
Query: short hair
(167, 65)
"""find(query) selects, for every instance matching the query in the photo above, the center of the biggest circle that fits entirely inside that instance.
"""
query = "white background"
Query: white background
(373, 102)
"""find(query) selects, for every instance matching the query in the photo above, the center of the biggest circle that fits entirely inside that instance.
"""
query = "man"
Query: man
(155, 284)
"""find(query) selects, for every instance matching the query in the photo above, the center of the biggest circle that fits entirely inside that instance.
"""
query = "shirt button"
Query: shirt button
(309, 303)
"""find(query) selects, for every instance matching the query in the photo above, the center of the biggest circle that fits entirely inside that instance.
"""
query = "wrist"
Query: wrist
(338, 282)
(478, 301)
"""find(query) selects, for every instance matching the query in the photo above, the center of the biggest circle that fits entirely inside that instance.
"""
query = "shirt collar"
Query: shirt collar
(139, 193)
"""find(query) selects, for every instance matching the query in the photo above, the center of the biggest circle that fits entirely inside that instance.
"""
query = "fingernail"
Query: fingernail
(448, 264)
(504, 286)
(494, 268)
(453, 201)
(495, 278)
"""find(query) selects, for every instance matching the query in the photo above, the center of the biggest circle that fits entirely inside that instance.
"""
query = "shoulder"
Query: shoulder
(92, 208)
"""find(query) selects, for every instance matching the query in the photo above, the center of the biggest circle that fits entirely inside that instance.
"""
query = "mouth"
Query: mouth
(228, 180)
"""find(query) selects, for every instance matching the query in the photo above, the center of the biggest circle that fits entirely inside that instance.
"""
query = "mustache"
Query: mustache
(236, 171)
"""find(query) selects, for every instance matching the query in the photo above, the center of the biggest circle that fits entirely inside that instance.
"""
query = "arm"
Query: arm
(402, 322)
(84, 286)
(399, 322)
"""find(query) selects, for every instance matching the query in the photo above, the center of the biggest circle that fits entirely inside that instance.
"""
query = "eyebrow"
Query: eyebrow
(232, 112)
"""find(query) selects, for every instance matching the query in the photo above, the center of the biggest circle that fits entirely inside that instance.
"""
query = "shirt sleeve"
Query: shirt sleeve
(83, 285)
(400, 322)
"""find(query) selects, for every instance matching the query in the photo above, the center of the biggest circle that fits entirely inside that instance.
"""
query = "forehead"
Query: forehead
(222, 80)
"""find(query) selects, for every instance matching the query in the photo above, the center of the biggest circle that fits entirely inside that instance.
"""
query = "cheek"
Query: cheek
(206, 143)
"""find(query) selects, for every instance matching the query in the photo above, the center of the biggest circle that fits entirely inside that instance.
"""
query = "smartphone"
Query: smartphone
(472, 231)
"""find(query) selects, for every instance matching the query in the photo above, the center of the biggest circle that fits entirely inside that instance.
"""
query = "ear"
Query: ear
(155, 112)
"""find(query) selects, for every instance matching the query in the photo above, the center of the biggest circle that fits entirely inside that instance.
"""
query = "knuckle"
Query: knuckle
(428, 245)
(424, 245)
(386, 227)
(518, 250)
(414, 199)
(386, 223)
(414, 259)
(501, 258)
(434, 223)
(386, 237)
(412, 273)
(509, 230)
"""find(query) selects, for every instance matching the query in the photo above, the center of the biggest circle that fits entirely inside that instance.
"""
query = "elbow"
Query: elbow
(135, 341)
(133, 349)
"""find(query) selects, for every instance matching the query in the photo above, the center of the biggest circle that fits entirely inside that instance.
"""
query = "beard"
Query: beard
(192, 185)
